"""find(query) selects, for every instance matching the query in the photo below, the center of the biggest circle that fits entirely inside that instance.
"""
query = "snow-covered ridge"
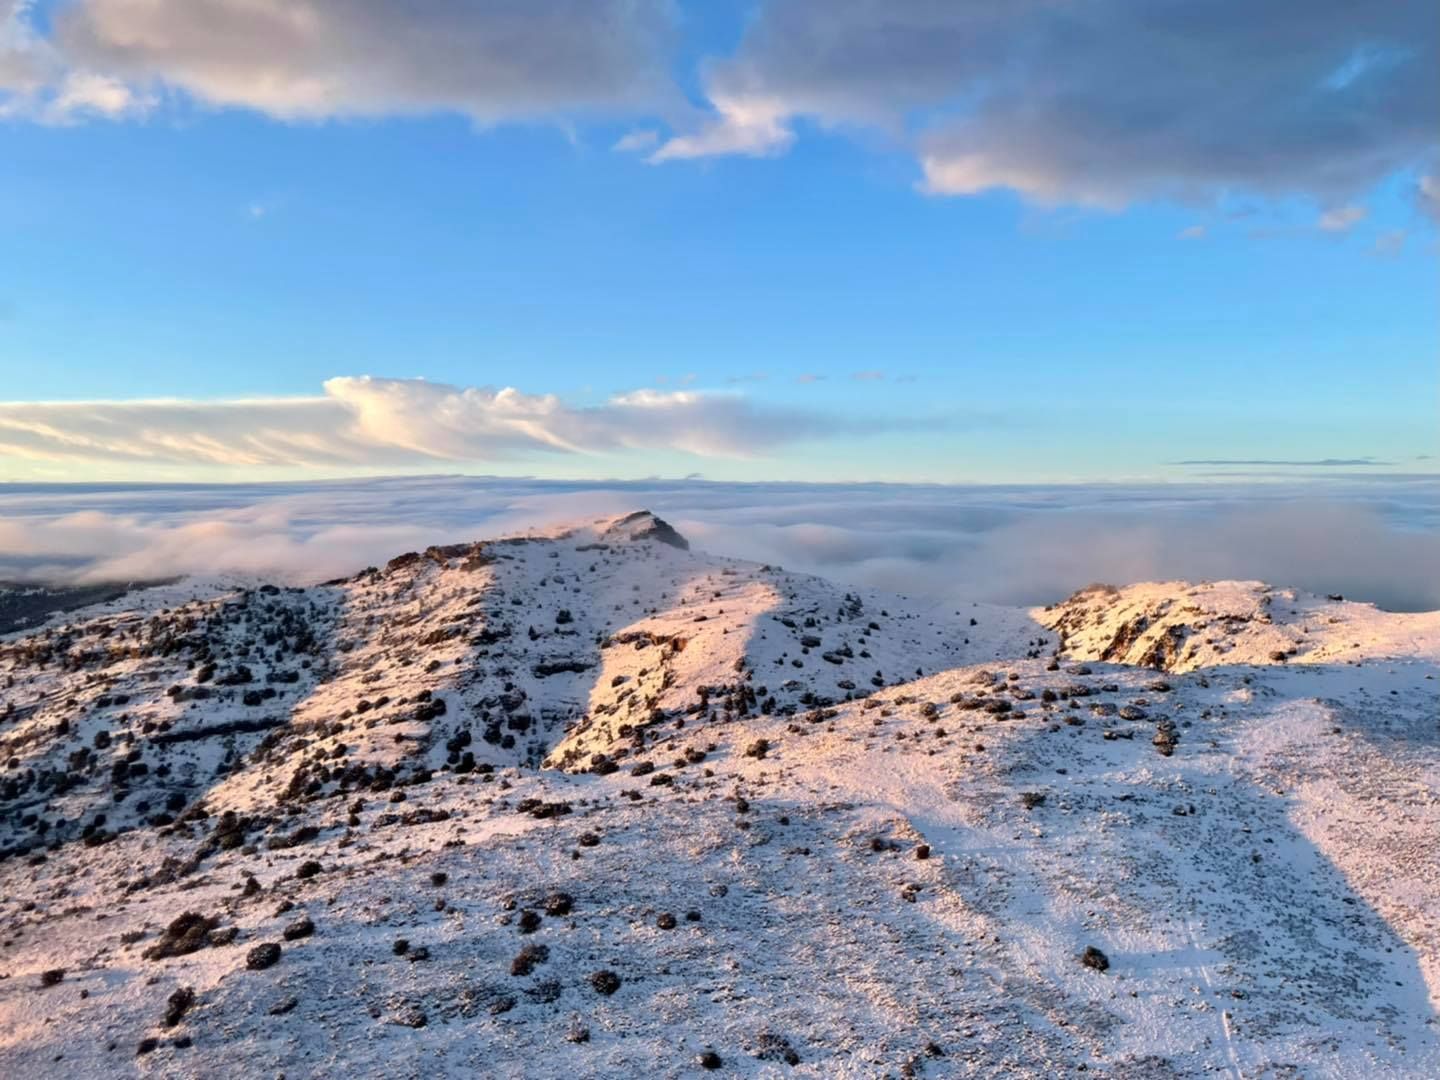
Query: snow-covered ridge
(1177, 626)
(589, 802)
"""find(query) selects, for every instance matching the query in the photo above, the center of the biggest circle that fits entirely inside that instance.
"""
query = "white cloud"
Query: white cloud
(1342, 218)
(754, 127)
(36, 81)
(1194, 232)
(84, 93)
(365, 421)
(493, 60)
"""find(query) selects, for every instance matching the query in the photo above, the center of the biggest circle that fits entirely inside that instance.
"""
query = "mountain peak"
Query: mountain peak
(644, 525)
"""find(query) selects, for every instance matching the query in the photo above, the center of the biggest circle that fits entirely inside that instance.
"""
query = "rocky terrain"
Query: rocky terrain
(591, 803)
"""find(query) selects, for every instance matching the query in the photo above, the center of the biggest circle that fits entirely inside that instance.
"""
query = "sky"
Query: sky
(809, 240)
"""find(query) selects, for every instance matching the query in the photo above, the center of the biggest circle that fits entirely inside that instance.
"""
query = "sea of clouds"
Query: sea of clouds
(1368, 538)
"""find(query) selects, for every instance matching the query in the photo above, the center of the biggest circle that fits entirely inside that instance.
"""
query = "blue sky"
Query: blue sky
(200, 248)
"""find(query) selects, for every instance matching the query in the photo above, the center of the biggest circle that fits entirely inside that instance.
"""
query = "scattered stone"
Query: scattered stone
(300, 928)
(262, 956)
(1095, 959)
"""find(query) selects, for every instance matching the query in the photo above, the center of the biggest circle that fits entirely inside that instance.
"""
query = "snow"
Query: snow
(1267, 894)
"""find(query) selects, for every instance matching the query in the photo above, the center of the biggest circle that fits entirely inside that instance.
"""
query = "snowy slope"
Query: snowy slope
(748, 839)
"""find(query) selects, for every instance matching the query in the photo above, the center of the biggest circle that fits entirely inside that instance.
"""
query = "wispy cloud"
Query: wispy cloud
(1391, 242)
(636, 141)
(1342, 218)
(1307, 463)
(365, 421)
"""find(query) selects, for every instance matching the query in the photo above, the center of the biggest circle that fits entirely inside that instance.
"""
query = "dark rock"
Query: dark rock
(300, 928)
(263, 956)
(1095, 959)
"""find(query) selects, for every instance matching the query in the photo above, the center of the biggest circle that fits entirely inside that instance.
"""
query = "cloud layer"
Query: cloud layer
(365, 421)
(1376, 540)
(1101, 103)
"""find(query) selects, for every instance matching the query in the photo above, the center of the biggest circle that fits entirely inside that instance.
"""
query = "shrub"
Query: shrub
(605, 982)
(178, 1005)
(526, 959)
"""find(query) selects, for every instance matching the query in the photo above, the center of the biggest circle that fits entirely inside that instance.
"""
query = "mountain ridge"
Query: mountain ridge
(508, 717)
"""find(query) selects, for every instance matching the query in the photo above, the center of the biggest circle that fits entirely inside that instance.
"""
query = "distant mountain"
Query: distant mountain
(24, 604)
(591, 803)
